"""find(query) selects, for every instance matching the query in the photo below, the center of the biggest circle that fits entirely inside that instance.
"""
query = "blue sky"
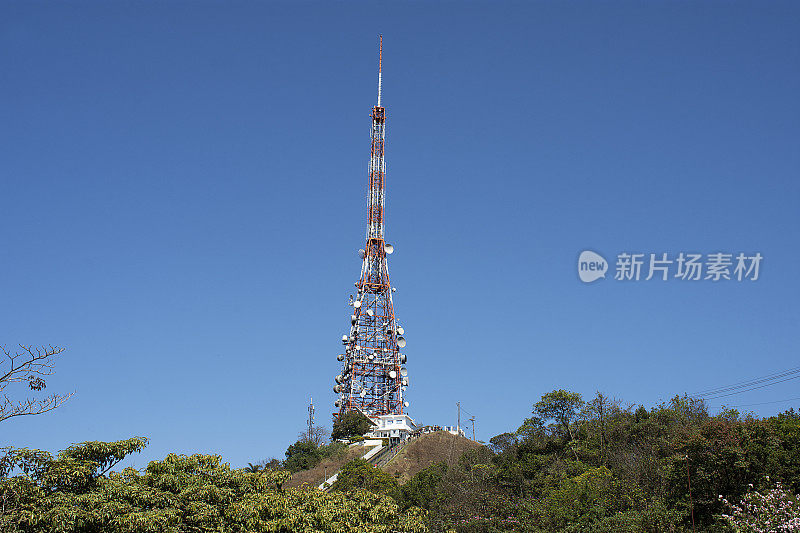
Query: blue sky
(184, 189)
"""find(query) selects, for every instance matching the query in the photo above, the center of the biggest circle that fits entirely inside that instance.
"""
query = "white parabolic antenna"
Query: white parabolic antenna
(357, 304)
(388, 248)
(401, 342)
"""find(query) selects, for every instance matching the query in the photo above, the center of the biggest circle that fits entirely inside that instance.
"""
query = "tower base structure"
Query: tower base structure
(396, 428)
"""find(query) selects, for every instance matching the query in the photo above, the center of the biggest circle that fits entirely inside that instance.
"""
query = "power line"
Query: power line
(470, 414)
(747, 383)
(764, 403)
(714, 397)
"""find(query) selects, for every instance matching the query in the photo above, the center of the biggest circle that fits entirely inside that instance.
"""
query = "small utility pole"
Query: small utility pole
(473, 427)
(458, 425)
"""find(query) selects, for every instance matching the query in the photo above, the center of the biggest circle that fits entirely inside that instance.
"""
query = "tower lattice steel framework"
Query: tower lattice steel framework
(372, 377)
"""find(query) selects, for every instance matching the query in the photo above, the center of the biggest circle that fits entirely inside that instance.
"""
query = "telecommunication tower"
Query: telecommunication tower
(311, 420)
(372, 378)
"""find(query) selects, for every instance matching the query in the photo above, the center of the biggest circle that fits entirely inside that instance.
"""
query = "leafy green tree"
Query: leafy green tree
(360, 474)
(181, 494)
(302, 455)
(422, 490)
(561, 406)
(503, 442)
(349, 425)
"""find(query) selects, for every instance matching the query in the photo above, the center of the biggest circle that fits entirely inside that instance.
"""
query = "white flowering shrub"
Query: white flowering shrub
(773, 511)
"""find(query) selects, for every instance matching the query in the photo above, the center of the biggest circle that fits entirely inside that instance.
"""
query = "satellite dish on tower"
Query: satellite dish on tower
(361, 254)
(357, 304)
(401, 342)
(388, 248)
(370, 312)
(400, 331)
(392, 374)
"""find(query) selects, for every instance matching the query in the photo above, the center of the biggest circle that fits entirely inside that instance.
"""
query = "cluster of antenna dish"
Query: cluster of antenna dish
(348, 384)
(388, 248)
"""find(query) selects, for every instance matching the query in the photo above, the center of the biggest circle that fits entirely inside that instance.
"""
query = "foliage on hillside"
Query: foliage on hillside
(324, 470)
(304, 454)
(600, 466)
(573, 466)
(360, 474)
(72, 493)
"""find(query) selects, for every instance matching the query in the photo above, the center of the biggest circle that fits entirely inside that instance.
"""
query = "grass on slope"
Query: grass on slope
(422, 452)
(330, 465)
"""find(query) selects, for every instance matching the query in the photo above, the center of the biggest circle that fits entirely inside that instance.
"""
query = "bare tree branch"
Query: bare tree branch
(29, 365)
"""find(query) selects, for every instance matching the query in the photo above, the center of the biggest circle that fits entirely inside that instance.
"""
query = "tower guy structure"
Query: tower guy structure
(372, 378)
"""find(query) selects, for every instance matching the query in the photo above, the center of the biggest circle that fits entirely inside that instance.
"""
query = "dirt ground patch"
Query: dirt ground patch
(315, 476)
(419, 454)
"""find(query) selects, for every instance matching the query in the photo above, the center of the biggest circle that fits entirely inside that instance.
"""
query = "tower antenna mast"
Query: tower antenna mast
(372, 378)
(311, 421)
(380, 68)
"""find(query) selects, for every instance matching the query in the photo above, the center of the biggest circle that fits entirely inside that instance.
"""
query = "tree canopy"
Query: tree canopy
(72, 493)
(598, 467)
(351, 424)
(360, 474)
(608, 468)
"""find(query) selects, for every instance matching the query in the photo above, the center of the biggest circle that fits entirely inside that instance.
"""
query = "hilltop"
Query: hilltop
(420, 453)
(426, 450)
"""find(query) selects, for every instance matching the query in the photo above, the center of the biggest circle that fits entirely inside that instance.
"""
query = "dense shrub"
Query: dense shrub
(72, 493)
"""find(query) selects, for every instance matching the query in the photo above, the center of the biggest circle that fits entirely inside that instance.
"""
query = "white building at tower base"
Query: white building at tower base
(396, 428)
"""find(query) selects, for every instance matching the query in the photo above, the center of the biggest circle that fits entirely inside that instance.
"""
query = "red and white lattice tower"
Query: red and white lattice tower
(372, 377)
